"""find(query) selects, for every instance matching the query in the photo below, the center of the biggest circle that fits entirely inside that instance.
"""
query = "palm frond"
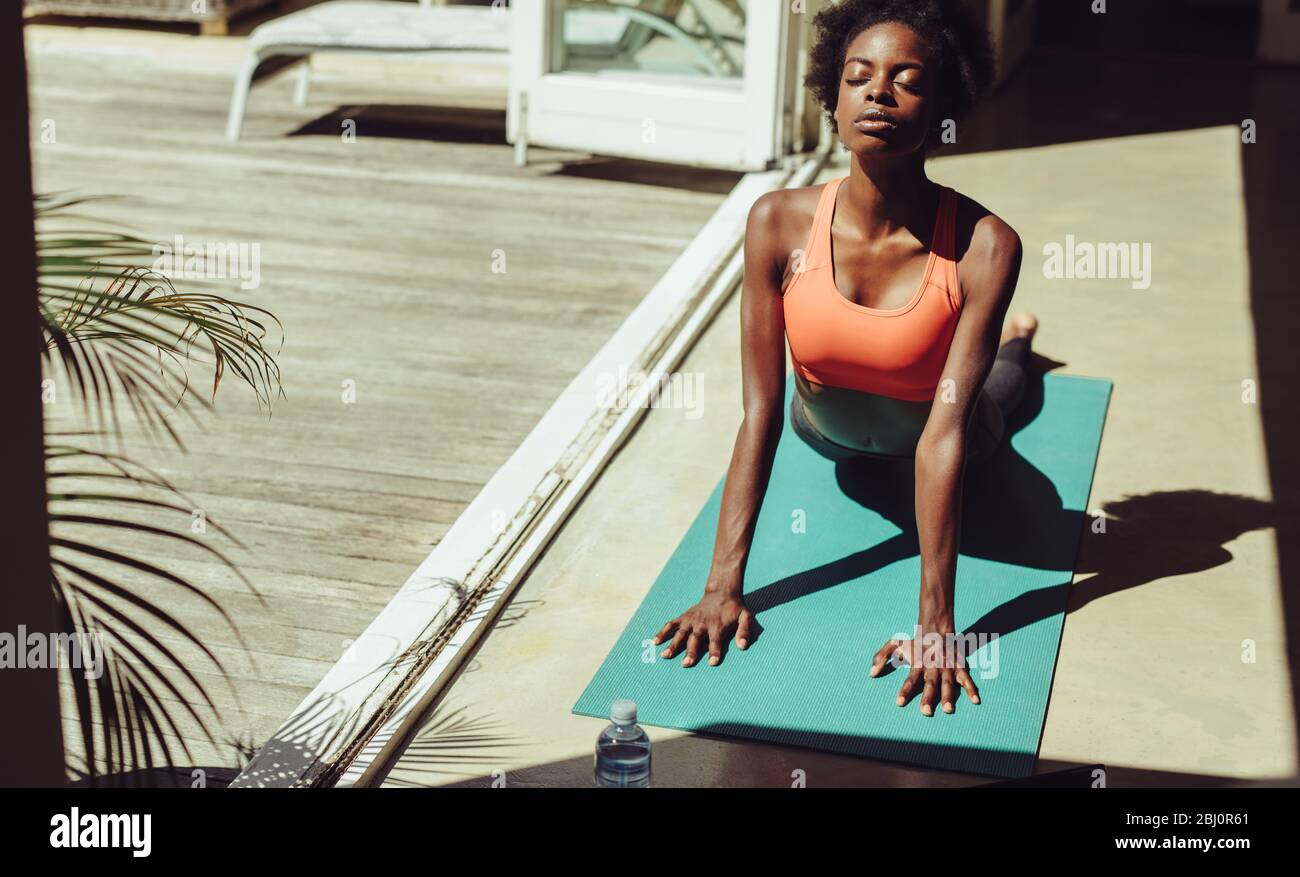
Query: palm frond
(122, 337)
(149, 690)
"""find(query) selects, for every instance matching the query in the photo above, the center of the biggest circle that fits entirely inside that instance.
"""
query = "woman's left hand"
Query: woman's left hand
(936, 658)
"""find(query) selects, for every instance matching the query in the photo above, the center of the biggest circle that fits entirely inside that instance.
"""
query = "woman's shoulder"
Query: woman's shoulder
(988, 249)
(981, 234)
(793, 207)
(780, 222)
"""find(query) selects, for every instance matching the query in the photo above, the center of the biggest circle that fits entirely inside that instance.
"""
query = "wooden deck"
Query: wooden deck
(378, 256)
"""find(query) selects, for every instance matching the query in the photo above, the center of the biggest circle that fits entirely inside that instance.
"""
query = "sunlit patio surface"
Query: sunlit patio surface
(435, 300)
(1151, 679)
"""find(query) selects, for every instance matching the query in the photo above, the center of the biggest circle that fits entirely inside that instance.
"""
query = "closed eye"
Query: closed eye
(910, 87)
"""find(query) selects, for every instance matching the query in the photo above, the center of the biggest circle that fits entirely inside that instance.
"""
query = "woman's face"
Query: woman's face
(887, 92)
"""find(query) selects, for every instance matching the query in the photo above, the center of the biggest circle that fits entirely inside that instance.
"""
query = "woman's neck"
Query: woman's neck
(886, 194)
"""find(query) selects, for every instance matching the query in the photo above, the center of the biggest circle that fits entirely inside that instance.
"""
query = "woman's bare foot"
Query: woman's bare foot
(1021, 325)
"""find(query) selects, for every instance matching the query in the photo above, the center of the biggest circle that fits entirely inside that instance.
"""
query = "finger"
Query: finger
(931, 689)
(882, 657)
(963, 679)
(960, 655)
(715, 645)
(665, 630)
(676, 645)
(948, 693)
(692, 649)
(909, 685)
(742, 630)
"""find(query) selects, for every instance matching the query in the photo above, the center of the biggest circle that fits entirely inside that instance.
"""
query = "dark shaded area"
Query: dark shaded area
(972, 760)
(1208, 28)
(1069, 94)
(651, 173)
(675, 764)
(33, 746)
(413, 122)
(1083, 777)
(1272, 189)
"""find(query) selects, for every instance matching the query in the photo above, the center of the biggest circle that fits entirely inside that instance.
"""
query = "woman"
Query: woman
(891, 291)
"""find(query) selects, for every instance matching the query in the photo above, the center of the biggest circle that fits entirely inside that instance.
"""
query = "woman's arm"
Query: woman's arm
(989, 272)
(762, 364)
(721, 611)
(988, 277)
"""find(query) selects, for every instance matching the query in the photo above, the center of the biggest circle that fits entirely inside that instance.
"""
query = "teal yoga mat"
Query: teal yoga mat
(834, 572)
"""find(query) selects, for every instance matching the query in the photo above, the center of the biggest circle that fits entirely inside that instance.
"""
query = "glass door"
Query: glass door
(701, 82)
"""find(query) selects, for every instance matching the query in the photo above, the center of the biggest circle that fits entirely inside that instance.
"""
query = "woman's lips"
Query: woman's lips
(873, 126)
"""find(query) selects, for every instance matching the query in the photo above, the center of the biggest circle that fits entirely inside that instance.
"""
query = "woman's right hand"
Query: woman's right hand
(721, 613)
(711, 622)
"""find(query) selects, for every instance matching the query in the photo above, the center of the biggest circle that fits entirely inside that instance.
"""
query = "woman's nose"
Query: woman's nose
(879, 93)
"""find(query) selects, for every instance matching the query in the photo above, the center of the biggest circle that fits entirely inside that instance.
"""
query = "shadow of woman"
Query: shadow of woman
(1013, 514)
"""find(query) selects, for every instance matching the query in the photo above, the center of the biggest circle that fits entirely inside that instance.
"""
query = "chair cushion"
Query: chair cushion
(385, 25)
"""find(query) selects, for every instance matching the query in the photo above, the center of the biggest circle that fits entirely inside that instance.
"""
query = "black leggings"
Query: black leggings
(1005, 385)
(1006, 380)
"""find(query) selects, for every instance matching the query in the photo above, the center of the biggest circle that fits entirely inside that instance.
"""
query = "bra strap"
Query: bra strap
(817, 248)
(945, 243)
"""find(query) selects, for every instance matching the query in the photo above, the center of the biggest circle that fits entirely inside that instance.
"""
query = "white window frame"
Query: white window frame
(739, 124)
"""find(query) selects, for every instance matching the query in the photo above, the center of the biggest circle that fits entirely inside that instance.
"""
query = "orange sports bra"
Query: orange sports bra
(897, 352)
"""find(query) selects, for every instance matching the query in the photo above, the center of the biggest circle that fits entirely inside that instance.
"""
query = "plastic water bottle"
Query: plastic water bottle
(623, 750)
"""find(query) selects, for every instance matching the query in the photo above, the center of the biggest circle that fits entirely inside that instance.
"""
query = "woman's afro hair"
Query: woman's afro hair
(961, 43)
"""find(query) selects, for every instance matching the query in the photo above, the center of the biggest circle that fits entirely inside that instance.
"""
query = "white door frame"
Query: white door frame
(733, 124)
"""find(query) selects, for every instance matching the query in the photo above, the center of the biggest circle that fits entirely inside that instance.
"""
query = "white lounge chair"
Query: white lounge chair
(591, 30)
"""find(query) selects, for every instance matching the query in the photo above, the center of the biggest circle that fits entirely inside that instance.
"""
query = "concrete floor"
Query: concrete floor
(1151, 679)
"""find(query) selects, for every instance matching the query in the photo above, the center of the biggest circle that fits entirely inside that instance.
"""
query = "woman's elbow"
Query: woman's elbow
(764, 417)
(763, 420)
(942, 451)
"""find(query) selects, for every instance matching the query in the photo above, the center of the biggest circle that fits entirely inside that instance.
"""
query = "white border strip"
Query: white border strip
(374, 688)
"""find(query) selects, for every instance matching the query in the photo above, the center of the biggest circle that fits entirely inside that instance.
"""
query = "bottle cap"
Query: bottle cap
(623, 712)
